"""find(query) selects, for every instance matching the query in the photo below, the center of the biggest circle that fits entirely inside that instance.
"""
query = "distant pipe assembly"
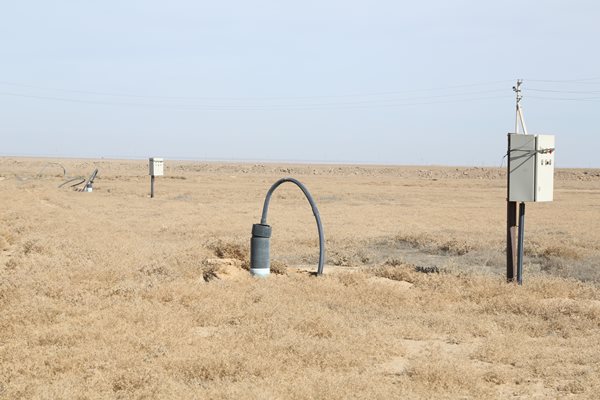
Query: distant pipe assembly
(260, 264)
(74, 182)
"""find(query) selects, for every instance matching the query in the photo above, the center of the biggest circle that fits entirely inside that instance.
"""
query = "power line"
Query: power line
(207, 107)
(387, 99)
(589, 81)
(250, 98)
(583, 81)
(564, 91)
(585, 99)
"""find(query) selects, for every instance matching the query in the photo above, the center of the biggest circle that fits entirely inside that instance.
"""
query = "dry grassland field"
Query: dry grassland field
(112, 294)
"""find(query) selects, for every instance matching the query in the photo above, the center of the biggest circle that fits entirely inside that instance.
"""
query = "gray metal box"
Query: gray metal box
(156, 166)
(531, 161)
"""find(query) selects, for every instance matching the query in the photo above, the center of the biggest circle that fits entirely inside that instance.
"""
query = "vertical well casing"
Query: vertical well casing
(260, 262)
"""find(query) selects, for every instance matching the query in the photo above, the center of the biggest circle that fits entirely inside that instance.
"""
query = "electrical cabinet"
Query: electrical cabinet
(531, 167)
(156, 166)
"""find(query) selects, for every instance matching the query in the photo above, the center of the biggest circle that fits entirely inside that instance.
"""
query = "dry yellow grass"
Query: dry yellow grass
(111, 294)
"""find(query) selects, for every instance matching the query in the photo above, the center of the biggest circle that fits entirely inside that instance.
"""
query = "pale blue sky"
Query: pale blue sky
(396, 82)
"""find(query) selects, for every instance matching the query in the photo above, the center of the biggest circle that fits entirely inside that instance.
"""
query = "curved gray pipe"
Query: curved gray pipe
(263, 220)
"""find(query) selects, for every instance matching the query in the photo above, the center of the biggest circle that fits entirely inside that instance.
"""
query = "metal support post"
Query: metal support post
(511, 228)
(511, 241)
(521, 240)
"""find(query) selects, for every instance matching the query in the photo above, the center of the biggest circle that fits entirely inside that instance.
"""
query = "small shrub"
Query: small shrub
(279, 268)
(224, 249)
(573, 387)
(210, 272)
(418, 241)
(154, 269)
(394, 262)
(338, 258)
(561, 252)
(351, 279)
(553, 265)
(427, 270)
(456, 247)
(402, 272)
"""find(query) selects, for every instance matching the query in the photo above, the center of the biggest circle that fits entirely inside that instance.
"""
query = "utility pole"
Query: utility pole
(512, 206)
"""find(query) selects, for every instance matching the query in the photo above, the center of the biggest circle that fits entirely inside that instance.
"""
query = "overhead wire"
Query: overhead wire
(584, 99)
(382, 99)
(568, 81)
(560, 93)
(386, 102)
(563, 91)
(253, 98)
